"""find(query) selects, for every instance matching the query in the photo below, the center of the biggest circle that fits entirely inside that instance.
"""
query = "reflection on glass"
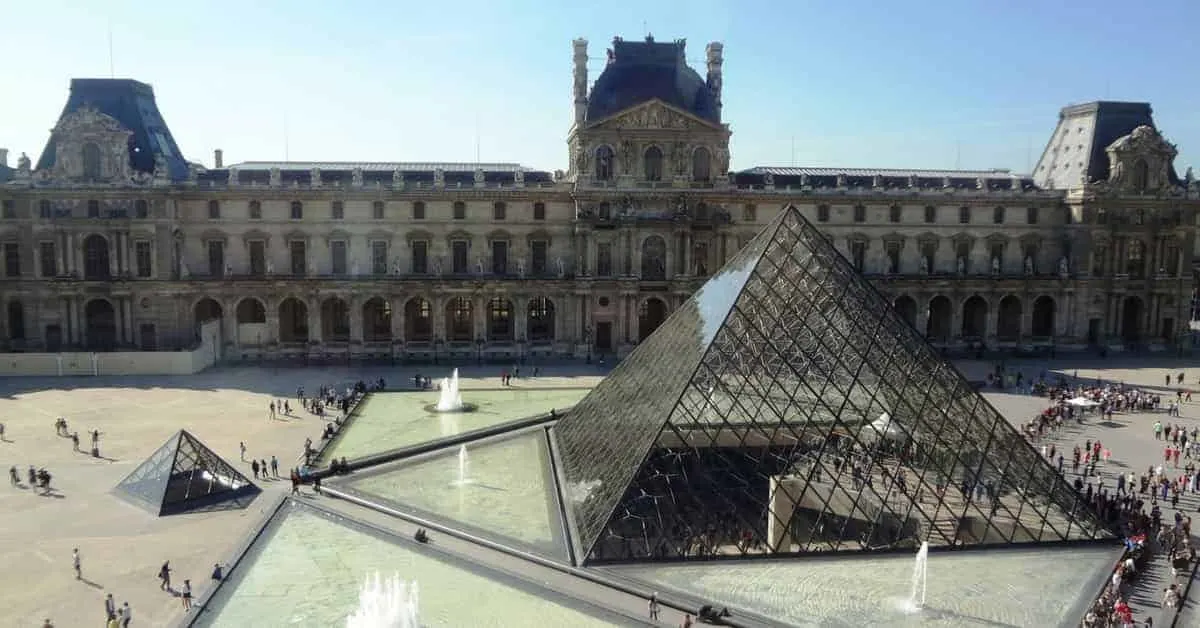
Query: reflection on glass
(812, 419)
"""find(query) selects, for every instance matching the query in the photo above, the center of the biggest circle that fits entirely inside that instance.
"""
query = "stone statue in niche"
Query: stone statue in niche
(314, 177)
(270, 267)
(184, 273)
(841, 180)
(519, 176)
(980, 183)
(397, 177)
(437, 267)
(995, 265)
(627, 157)
(581, 156)
(312, 269)
(479, 176)
(679, 158)
(1064, 268)
(439, 177)
(276, 177)
(354, 269)
(561, 267)
(913, 182)
(769, 180)
(961, 265)
(1028, 265)
(229, 270)
(521, 268)
(924, 265)
(396, 266)
(479, 266)
(721, 161)
(23, 164)
(356, 177)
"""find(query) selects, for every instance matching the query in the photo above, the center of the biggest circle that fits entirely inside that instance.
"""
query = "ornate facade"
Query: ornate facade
(113, 240)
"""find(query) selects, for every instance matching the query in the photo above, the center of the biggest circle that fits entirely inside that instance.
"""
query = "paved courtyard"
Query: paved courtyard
(123, 546)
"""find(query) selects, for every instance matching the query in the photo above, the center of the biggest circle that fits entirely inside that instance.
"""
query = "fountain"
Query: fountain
(464, 467)
(450, 400)
(916, 597)
(390, 603)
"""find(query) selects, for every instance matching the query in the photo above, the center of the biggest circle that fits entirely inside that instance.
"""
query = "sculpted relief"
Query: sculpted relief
(1140, 161)
(91, 145)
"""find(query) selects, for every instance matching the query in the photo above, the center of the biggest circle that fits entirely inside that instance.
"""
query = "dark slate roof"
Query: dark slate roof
(890, 178)
(6, 173)
(1083, 133)
(335, 172)
(132, 104)
(639, 71)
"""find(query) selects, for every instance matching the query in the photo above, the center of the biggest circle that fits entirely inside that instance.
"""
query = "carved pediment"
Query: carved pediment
(90, 145)
(654, 115)
(1140, 161)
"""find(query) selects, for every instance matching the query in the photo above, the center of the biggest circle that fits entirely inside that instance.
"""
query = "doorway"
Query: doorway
(604, 336)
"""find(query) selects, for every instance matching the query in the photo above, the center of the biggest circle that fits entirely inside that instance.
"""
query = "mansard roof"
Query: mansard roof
(641, 71)
(1077, 148)
(889, 178)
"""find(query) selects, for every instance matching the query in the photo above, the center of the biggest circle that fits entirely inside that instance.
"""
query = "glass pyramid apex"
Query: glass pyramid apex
(183, 475)
(810, 418)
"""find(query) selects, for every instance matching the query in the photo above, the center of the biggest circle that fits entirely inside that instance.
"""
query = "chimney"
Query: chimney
(218, 158)
(715, 55)
(3, 157)
(581, 79)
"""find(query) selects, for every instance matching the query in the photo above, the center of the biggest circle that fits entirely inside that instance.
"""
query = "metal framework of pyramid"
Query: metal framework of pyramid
(185, 476)
(786, 408)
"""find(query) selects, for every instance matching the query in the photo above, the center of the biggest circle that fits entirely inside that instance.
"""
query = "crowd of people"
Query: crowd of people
(1132, 502)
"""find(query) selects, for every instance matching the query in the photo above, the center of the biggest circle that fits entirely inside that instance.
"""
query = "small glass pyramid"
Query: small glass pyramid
(787, 409)
(183, 475)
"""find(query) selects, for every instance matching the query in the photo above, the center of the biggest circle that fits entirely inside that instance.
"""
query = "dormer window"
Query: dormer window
(1141, 176)
(91, 161)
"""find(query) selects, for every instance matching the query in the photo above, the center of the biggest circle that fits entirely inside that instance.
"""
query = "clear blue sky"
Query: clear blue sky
(924, 84)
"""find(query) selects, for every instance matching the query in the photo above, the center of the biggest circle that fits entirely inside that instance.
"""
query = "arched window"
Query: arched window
(1141, 175)
(654, 259)
(701, 165)
(91, 161)
(604, 163)
(653, 163)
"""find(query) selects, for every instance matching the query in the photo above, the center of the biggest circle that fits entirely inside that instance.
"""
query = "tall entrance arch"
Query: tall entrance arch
(1131, 320)
(100, 324)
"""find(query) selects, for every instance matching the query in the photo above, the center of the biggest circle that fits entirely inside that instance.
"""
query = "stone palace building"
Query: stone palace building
(112, 240)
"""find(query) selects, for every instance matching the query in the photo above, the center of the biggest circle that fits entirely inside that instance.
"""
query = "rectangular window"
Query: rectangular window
(258, 258)
(142, 251)
(499, 257)
(214, 210)
(700, 259)
(141, 209)
(538, 252)
(9, 208)
(539, 211)
(822, 213)
(998, 216)
(337, 210)
(893, 255)
(858, 254)
(255, 210)
(860, 213)
(337, 257)
(93, 209)
(216, 258)
(297, 211)
(48, 259)
(458, 257)
(420, 257)
(894, 213)
(299, 256)
(604, 259)
(377, 209)
(964, 215)
(45, 210)
(460, 210)
(12, 259)
(499, 210)
(1031, 215)
(379, 257)
(930, 214)
(749, 212)
(418, 210)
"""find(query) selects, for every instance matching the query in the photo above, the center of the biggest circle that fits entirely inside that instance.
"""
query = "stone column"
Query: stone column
(622, 306)
(114, 269)
(439, 317)
(77, 320)
(521, 317)
(397, 304)
(992, 322)
(314, 321)
(356, 319)
(629, 261)
(479, 309)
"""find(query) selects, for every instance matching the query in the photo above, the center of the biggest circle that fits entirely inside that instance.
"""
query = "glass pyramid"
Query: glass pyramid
(182, 476)
(787, 409)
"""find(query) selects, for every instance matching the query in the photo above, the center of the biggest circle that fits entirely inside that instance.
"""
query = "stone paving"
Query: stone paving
(122, 546)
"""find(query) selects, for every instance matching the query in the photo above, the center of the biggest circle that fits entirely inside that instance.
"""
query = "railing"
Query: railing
(374, 185)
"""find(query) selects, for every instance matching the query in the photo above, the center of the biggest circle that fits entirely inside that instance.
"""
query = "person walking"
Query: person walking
(187, 595)
(75, 562)
(164, 575)
(275, 467)
(110, 607)
(242, 444)
(126, 615)
(653, 606)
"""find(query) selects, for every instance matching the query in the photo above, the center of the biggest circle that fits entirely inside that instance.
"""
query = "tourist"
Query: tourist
(76, 564)
(275, 467)
(13, 476)
(164, 576)
(242, 445)
(271, 410)
(187, 595)
(216, 573)
(126, 615)
(254, 468)
(653, 606)
(110, 607)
